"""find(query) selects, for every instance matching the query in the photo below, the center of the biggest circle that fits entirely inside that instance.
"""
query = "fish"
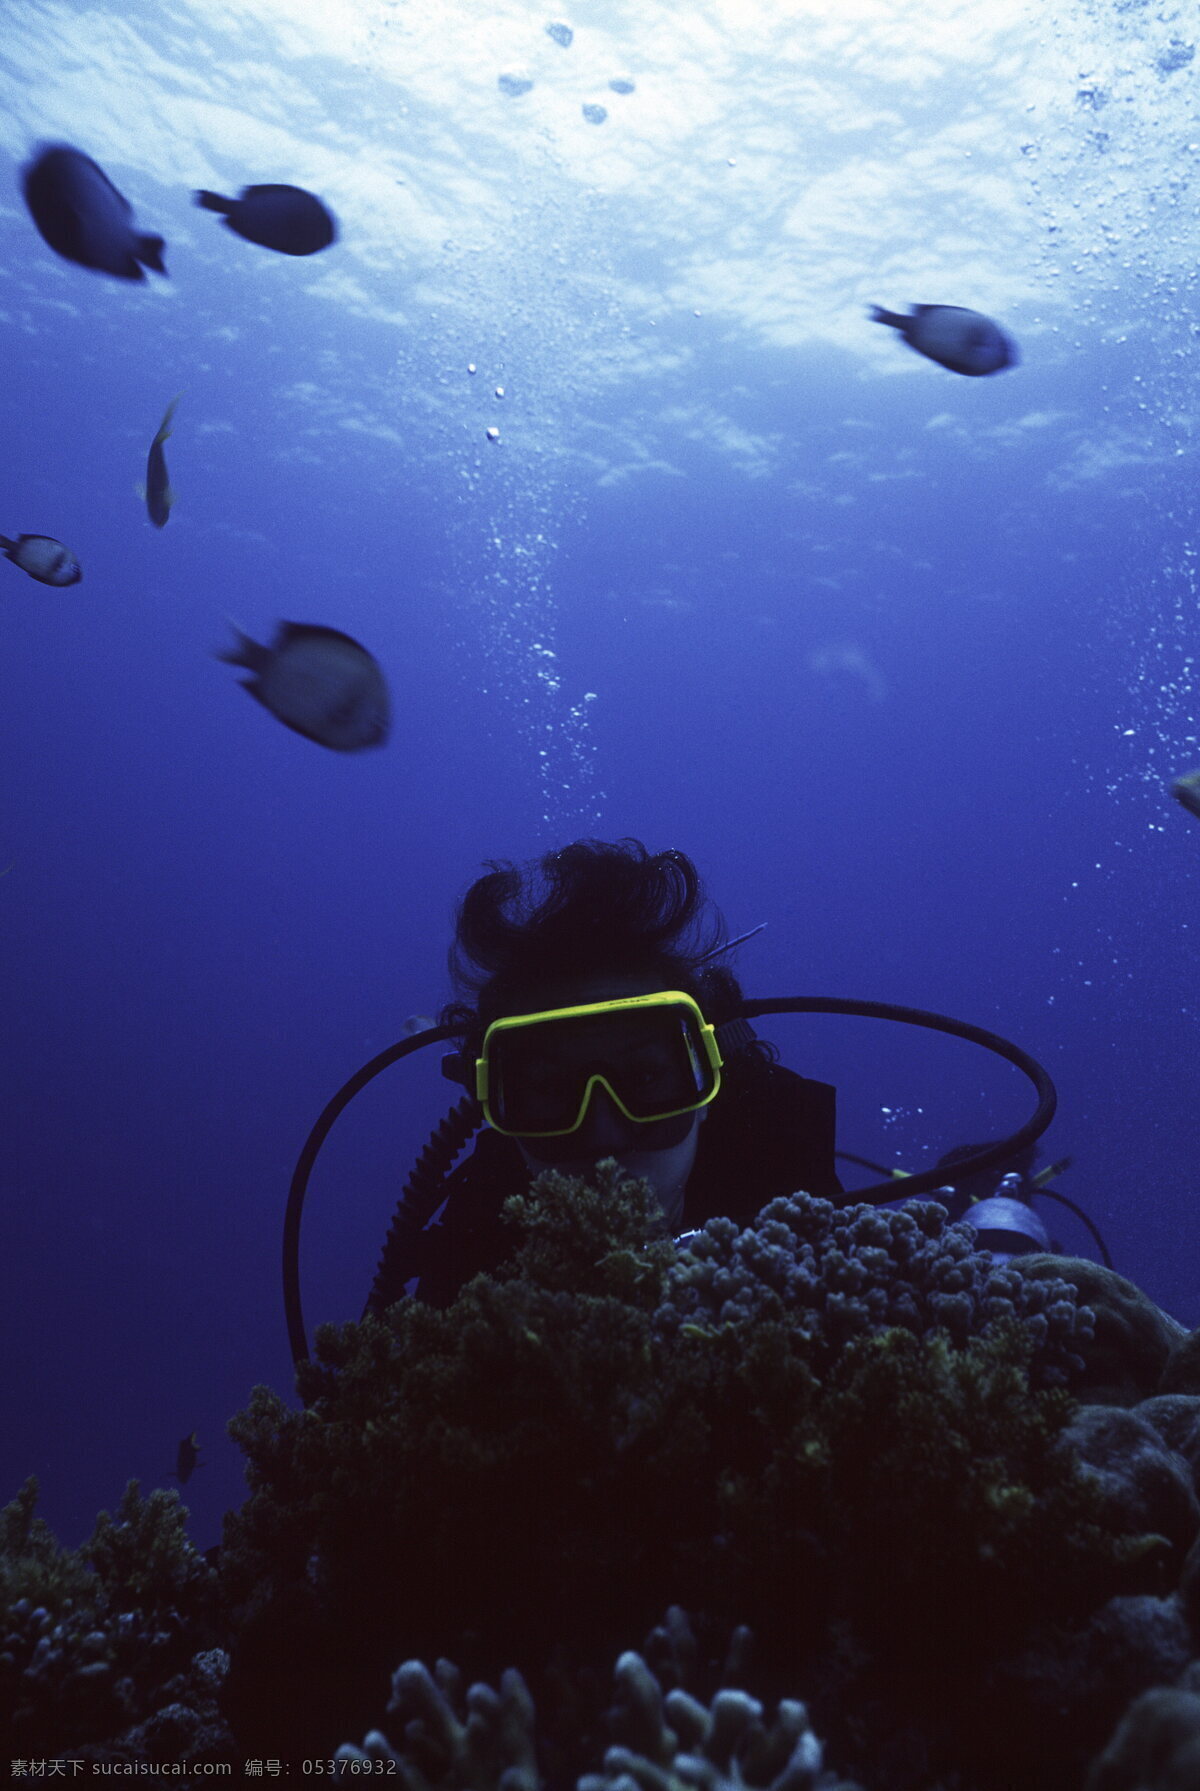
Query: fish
(277, 217)
(187, 1459)
(81, 215)
(43, 558)
(1187, 791)
(414, 1024)
(317, 681)
(157, 489)
(964, 341)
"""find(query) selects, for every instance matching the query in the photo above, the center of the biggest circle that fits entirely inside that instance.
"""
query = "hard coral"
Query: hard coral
(845, 1272)
(797, 1422)
(526, 1435)
(33, 1564)
(1156, 1746)
(1182, 1371)
(663, 1738)
(89, 1636)
(676, 1743)
(1131, 1342)
(921, 1493)
(142, 1556)
(1144, 1486)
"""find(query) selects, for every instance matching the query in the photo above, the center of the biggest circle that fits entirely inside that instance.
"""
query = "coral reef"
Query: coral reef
(487, 1740)
(829, 1420)
(1143, 1484)
(1182, 1371)
(1156, 1746)
(1127, 1349)
(90, 1638)
(845, 1272)
(843, 1430)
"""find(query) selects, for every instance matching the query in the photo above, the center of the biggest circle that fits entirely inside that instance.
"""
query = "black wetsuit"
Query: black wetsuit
(768, 1132)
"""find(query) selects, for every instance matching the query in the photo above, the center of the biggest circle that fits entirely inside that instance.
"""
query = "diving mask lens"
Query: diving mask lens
(654, 1054)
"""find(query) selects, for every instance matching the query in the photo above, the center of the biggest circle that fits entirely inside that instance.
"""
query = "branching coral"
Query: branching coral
(676, 1743)
(843, 1272)
(825, 1417)
(662, 1739)
(1133, 1342)
(88, 1637)
(845, 1426)
(482, 1740)
(527, 1434)
(142, 1556)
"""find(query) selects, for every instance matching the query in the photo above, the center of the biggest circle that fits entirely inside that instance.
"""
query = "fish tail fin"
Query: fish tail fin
(244, 651)
(212, 201)
(164, 428)
(150, 252)
(6, 545)
(877, 314)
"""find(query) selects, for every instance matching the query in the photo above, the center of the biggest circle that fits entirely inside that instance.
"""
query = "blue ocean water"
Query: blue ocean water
(904, 661)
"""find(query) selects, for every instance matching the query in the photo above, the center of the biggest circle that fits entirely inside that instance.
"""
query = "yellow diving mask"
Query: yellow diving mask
(655, 1056)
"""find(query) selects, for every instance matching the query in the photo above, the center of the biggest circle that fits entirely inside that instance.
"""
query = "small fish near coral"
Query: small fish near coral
(43, 558)
(276, 217)
(317, 681)
(81, 215)
(964, 341)
(187, 1459)
(157, 490)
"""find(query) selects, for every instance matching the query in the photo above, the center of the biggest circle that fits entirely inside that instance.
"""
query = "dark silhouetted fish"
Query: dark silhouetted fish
(965, 341)
(157, 489)
(1187, 790)
(43, 558)
(187, 1459)
(318, 681)
(278, 217)
(83, 217)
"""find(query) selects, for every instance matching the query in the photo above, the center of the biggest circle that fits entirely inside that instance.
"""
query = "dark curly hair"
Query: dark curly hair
(591, 909)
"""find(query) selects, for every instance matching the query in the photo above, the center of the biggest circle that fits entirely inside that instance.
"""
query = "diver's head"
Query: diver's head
(617, 931)
(606, 1068)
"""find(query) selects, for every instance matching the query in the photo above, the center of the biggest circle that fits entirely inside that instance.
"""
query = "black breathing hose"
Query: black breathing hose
(304, 1166)
(418, 1200)
(877, 1194)
(992, 1155)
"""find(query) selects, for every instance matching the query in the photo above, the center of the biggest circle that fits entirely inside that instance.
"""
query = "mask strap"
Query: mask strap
(733, 1036)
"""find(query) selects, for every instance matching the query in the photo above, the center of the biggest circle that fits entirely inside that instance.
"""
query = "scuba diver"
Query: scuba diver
(602, 1027)
(595, 1021)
